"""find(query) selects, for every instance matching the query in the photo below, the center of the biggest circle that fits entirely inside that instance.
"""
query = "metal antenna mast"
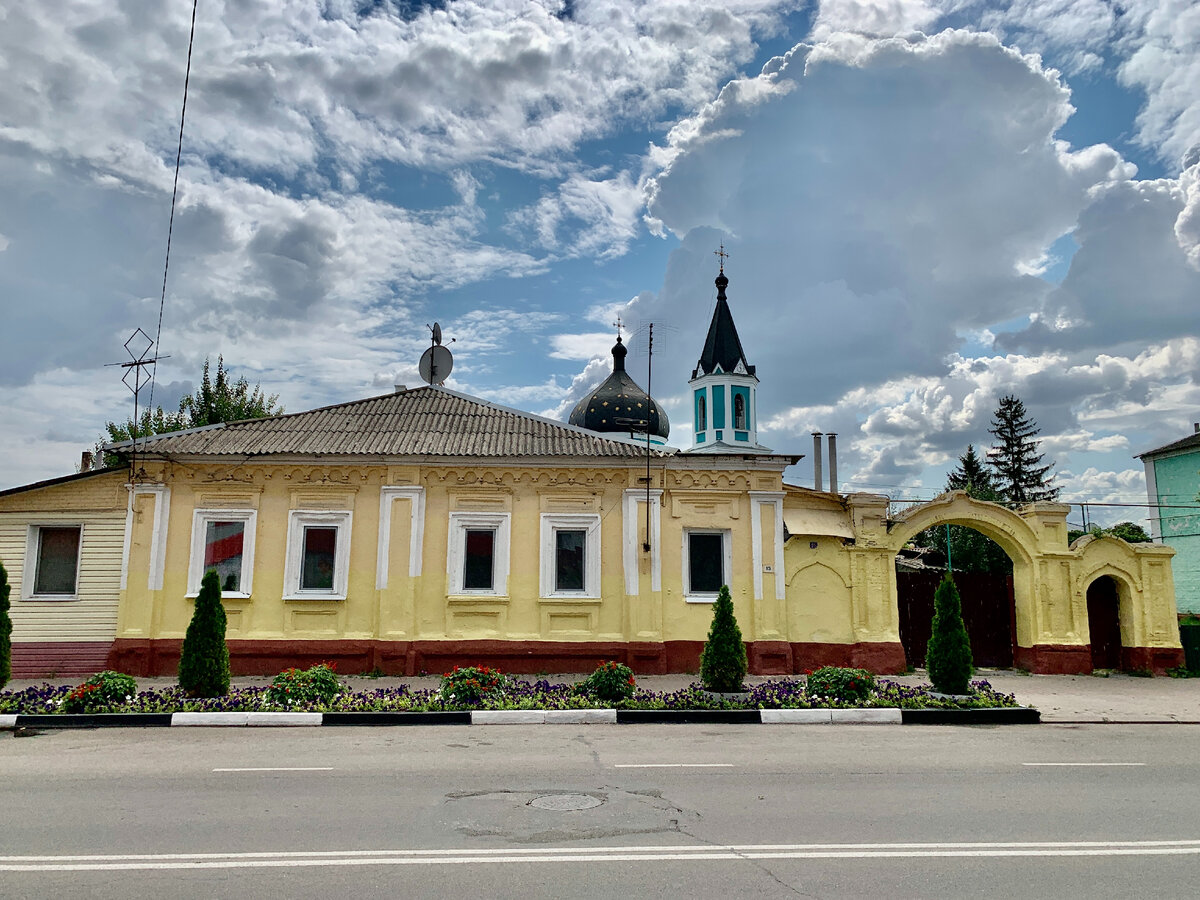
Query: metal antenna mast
(135, 378)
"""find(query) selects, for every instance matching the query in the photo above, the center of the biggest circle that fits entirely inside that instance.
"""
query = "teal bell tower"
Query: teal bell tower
(724, 409)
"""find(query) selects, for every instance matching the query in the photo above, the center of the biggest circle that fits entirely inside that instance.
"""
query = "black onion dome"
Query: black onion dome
(618, 404)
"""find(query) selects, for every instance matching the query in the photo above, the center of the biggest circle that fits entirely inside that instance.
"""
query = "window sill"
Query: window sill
(225, 595)
(570, 598)
(700, 598)
(315, 596)
(477, 598)
(51, 598)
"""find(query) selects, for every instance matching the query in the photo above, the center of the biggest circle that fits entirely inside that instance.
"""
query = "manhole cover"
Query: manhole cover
(565, 801)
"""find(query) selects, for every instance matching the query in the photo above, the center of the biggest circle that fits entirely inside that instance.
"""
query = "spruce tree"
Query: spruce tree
(204, 662)
(5, 630)
(973, 476)
(948, 655)
(723, 660)
(1020, 475)
(968, 550)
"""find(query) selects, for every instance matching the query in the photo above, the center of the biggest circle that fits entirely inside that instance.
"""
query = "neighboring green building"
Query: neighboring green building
(1173, 481)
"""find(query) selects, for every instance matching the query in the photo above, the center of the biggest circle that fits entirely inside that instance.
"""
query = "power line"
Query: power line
(187, 75)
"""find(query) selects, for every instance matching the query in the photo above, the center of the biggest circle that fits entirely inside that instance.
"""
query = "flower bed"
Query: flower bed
(781, 693)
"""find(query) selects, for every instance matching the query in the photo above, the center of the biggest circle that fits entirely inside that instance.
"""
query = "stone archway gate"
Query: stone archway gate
(1050, 580)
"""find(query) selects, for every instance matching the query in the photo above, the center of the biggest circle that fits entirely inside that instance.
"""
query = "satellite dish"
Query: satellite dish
(435, 364)
(437, 333)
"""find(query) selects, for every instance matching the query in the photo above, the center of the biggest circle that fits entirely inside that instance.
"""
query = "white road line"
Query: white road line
(1083, 764)
(285, 859)
(280, 769)
(673, 766)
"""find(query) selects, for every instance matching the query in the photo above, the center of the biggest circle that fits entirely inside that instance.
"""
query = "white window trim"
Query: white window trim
(200, 520)
(555, 522)
(388, 496)
(632, 546)
(33, 540)
(456, 551)
(298, 520)
(689, 595)
(158, 536)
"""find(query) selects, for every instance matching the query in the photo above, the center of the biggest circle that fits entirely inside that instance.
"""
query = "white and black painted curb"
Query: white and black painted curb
(874, 716)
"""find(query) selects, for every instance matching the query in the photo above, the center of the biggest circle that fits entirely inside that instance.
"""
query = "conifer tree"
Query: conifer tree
(965, 548)
(1020, 475)
(948, 654)
(723, 660)
(973, 476)
(204, 662)
(5, 630)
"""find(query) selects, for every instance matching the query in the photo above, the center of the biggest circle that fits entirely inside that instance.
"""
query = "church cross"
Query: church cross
(723, 256)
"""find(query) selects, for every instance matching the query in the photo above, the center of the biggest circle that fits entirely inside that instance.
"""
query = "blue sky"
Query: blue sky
(928, 204)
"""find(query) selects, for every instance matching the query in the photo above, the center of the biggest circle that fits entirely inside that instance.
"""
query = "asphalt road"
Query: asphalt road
(770, 811)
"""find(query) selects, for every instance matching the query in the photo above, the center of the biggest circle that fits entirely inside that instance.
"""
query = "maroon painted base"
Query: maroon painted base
(1073, 659)
(59, 659)
(161, 657)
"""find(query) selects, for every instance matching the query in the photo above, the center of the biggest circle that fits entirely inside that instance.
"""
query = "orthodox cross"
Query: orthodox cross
(722, 255)
(618, 325)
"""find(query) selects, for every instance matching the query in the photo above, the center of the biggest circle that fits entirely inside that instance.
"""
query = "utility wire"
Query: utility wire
(174, 193)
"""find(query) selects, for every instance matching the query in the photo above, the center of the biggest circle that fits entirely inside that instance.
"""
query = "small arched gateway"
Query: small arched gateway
(1051, 583)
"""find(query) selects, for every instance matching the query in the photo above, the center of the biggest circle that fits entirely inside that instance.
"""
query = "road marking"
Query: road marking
(289, 859)
(673, 766)
(1083, 764)
(280, 769)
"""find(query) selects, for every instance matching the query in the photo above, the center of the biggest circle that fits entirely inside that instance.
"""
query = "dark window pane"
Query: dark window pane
(320, 554)
(739, 411)
(706, 560)
(223, 552)
(568, 560)
(477, 569)
(58, 559)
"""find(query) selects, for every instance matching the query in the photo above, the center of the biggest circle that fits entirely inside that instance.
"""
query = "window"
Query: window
(223, 540)
(477, 553)
(318, 555)
(701, 412)
(479, 560)
(739, 412)
(53, 559)
(570, 555)
(706, 563)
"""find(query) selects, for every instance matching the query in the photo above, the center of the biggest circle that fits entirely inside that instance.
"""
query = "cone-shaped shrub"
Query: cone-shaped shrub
(948, 656)
(204, 664)
(723, 661)
(5, 630)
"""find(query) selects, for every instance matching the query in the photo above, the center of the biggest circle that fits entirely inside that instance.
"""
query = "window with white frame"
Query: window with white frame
(318, 555)
(739, 412)
(223, 541)
(570, 555)
(706, 563)
(477, 553)
(52, 559)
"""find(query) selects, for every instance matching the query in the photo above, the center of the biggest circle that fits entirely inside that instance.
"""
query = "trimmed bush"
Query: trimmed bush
(317, 686)
(948, 655)
(723, 661)
(204, 663)
(5, 630)
(101, 693)
(612, 682)
(844, 685)
(471, 685)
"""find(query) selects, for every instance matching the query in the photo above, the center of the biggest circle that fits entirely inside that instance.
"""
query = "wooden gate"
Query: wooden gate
(988, 612)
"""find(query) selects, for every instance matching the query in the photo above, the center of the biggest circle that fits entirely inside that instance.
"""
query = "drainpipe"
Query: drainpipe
(833, 482)
(817, 460)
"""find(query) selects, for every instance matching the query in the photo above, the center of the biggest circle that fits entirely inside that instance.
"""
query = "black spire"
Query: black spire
(722, 347)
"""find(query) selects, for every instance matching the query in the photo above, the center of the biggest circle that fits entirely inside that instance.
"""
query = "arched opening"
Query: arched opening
(1104, 622)
(990, 559)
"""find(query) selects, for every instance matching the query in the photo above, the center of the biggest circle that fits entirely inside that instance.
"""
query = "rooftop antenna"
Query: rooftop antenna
(135, 378)
(436, 362)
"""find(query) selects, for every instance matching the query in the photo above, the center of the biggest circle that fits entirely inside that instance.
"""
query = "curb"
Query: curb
(1021, 715)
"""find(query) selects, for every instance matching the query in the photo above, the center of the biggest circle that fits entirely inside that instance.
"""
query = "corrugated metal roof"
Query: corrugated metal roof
(1192, 440)
(425, 421)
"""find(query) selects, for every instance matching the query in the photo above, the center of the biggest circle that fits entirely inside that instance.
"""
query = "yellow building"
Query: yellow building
(423, 529)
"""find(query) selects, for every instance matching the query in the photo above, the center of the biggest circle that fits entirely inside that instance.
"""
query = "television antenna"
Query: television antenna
(436, 362)
(139, 347)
